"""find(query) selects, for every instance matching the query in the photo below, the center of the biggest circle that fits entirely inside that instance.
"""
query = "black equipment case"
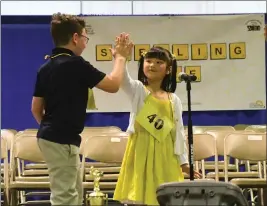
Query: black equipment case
(200, 192)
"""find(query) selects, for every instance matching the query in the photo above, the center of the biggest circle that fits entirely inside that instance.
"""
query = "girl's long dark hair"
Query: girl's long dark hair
(169, 81)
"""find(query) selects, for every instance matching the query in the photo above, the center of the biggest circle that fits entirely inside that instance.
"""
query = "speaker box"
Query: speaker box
(200, 192)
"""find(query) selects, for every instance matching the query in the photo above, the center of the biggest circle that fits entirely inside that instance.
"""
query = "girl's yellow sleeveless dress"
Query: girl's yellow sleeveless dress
(147, 163)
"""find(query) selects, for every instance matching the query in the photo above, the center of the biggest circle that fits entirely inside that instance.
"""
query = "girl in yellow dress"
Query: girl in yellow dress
(156, 152)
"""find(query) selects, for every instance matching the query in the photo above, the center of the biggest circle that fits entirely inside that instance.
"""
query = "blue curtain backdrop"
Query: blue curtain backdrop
(25, 42)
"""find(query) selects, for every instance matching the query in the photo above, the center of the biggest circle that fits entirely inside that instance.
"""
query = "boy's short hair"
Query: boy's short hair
(63, 26)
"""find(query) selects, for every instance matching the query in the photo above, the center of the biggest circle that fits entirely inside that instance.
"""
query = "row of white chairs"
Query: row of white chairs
(27, 170)
(20, 176)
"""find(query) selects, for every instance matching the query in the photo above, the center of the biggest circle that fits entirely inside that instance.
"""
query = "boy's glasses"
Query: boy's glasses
(87, 38)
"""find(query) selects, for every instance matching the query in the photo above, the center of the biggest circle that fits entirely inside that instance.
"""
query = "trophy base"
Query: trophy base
(97, 199)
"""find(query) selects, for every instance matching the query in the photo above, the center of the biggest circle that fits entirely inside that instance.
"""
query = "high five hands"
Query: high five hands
(123, 46)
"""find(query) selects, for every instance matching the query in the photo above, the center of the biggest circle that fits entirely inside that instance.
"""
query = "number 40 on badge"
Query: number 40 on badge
(158, 123)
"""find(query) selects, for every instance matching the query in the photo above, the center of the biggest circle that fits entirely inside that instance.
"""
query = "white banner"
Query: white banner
(226, 53)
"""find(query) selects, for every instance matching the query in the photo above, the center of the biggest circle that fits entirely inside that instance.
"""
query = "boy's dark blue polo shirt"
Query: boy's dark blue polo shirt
(63, 82)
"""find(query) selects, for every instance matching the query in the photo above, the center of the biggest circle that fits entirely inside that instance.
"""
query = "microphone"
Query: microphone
(186, 77)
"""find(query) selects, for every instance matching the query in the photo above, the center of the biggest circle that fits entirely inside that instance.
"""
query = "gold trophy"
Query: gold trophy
(97, 198)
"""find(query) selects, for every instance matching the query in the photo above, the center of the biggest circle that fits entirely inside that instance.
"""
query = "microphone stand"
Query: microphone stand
(190, 129)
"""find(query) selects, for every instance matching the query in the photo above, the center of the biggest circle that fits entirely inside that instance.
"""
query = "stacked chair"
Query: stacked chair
(4, 171)
(25, 174)
(29, 173)
(247, 148)
(7, 137)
